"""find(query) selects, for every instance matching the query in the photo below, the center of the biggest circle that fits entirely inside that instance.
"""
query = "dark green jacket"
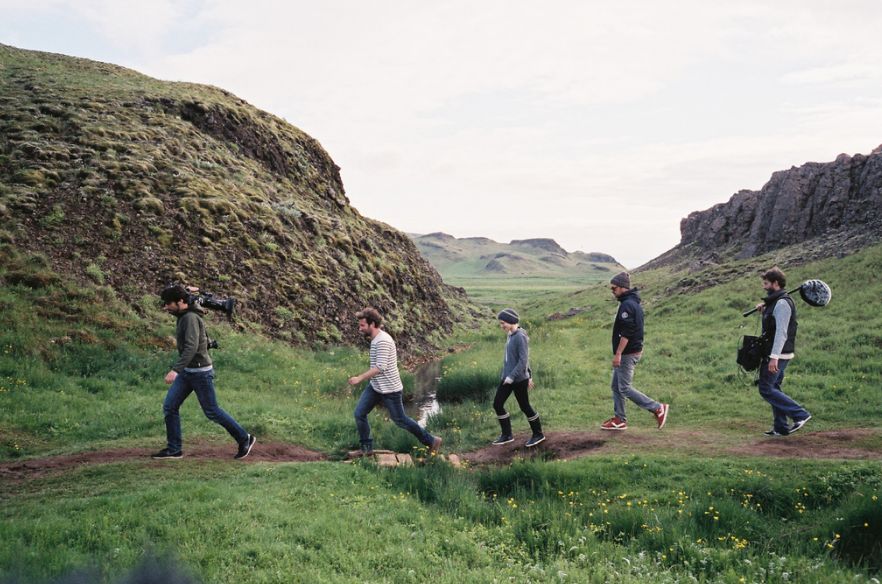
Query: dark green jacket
(192, 341)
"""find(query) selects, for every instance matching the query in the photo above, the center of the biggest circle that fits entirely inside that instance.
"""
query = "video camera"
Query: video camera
(207, 300)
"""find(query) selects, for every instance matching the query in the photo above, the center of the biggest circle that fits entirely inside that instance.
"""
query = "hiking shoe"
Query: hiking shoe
(166, 453)
(245, 447)
(503, 439)
(661, 415)
(614, 423)
(535, 439)
(799, 424)
(435, 448)
(773, 432)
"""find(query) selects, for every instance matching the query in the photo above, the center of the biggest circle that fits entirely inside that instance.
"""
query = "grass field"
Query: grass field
(699, 501)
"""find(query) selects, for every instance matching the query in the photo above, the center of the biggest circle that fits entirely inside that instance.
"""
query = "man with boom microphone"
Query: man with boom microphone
(779, 328)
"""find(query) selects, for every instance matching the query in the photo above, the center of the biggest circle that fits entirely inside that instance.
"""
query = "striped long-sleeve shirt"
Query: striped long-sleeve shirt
(384, 356)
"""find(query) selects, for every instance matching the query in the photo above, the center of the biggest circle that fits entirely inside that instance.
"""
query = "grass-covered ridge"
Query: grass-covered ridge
(708, 498)
(123, 180)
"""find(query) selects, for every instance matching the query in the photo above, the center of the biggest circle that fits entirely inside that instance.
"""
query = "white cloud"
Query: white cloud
(520, 119)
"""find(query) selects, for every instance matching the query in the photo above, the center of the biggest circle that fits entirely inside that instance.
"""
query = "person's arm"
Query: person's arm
(782, 314)
(617, 358)
(522, 354)
(188, 348)
(369, 374)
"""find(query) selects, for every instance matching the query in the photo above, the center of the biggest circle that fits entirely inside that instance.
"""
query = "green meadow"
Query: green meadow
(700, 501)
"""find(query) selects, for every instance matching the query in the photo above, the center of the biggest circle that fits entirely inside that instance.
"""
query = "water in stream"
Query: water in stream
(424, 403)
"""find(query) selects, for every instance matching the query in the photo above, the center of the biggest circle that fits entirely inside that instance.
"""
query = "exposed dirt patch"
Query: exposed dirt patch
(849, 443)
(829, 444)
(266, 452)
(558, 445)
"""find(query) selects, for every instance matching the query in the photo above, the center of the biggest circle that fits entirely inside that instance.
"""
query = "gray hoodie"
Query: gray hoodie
(517, 357)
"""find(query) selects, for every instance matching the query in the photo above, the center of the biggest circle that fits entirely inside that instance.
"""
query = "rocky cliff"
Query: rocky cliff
(836, 205)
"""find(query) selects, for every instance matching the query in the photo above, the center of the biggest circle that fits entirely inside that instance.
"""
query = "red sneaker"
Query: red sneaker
(661, 415)
(614, 423)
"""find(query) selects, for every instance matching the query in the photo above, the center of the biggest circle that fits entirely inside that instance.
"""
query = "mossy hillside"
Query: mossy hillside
(131, 182)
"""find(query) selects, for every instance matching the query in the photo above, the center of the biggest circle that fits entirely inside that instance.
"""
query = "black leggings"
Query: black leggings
(521, 394)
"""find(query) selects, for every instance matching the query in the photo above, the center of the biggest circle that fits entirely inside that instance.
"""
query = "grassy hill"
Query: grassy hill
(507, 273)
(708, 498)
(113, 178)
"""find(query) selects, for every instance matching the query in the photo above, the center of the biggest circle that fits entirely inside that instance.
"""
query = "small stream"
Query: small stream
(424, 402)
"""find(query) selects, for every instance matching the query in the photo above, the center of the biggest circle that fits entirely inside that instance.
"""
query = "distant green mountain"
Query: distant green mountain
(109, 177)
(511, 274)
(481, 257)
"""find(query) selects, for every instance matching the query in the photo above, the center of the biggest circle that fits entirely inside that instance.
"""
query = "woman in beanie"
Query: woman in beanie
(515, 378)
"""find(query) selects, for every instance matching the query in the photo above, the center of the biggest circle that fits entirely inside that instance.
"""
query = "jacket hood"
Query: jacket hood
(632, 294)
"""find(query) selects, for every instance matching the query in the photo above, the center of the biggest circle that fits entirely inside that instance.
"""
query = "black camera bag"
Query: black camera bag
(751, 352)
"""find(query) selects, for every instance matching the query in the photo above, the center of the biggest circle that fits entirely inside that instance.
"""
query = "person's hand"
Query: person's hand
(530, 384)
(170, 377)
(354, 380)
(760, 306)
(773, 365)
(617, 360)
(507, 381)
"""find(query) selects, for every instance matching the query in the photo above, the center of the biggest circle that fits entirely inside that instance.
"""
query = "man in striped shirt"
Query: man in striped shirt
(385, 385)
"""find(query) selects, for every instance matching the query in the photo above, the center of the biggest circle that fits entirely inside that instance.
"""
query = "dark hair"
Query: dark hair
(173, 294)
(776, 275)
(371, 315)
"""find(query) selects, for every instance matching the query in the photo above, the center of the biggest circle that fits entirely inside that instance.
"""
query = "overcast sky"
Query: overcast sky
(598, 124)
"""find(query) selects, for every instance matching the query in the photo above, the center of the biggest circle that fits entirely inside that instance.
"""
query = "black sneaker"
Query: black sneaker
(503, 439)
(166, 453)
(245, 447)
(799, 424)
(773, 432)
(535, 439)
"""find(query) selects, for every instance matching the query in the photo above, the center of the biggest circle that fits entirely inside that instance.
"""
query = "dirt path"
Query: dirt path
(850, 443)
(264, 452)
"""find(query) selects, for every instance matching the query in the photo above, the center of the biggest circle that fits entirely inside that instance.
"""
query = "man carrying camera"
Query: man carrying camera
(193, 372)
(779, 327)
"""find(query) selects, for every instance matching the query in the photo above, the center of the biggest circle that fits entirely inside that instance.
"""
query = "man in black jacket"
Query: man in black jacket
(193, 372)
(779, 327)
(627, 345)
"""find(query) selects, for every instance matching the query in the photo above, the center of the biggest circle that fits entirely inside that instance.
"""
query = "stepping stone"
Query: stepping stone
(384, 459)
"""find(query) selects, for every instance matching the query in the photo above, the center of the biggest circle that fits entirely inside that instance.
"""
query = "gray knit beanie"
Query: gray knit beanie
(509, 315)
(622, 280)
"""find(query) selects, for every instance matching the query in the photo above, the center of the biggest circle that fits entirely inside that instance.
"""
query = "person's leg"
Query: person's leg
(395, 404)
(522, 394)
(176, 395)
(203, 385)
(618, 397)
(783, 406)
(366, 403)
(626, 378)
(502, 394)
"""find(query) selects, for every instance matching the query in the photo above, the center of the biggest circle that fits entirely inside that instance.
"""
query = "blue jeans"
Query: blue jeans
(783, 406)
(202, 383)
(622, 377)
(395, 405)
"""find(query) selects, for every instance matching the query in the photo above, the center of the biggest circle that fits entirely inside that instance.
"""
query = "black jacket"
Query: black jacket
(629, 323)
(770, 326)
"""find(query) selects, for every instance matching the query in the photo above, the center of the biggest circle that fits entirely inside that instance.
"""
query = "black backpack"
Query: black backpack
(752, 352)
